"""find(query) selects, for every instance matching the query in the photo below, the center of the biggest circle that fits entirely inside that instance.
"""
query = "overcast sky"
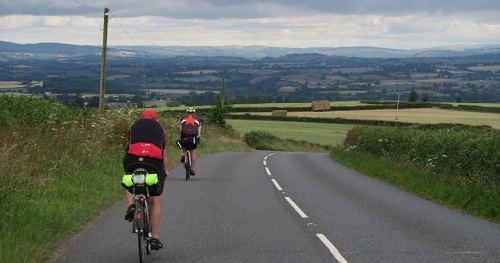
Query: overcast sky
(278, 23)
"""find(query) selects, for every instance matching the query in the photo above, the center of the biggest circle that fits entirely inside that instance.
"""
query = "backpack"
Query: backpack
(190, 124)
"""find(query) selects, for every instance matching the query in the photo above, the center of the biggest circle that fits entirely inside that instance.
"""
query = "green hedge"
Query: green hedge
(470, 108)
(318, 120)
(453, 150)
(368, 106)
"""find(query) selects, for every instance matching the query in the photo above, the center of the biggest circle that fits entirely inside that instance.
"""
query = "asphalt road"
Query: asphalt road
(290, 207)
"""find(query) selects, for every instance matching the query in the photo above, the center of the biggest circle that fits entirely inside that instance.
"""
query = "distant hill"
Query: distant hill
(9, 50)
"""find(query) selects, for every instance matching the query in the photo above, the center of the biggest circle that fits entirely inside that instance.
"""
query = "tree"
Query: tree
(413, 96)
(77, 101)
(93, 102)
(218, 113)
(425, 98)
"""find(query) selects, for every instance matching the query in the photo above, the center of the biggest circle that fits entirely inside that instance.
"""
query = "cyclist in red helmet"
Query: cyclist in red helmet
(147, 147)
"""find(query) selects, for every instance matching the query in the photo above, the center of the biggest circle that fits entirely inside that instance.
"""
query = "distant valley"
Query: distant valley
(159, 76)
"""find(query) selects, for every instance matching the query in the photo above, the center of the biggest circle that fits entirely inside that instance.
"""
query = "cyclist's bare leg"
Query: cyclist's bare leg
(155, 215)
(193, 159)
(130, 198)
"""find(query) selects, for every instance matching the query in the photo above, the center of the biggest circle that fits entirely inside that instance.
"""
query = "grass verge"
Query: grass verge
(470, 198)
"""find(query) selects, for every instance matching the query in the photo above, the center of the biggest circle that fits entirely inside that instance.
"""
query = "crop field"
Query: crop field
(423, 75)
(11, 84)
(258, 71)
(199, 72)
(493, 68)
(368, 77)
(114, 77)
(423, 116)
(179, 91)
(328, 134)
(200, 78)
(294, 105)
(357, 70)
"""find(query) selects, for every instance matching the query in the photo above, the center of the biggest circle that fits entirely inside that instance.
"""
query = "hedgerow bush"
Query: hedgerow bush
(337, 120)
(453, 150)
(31, 111)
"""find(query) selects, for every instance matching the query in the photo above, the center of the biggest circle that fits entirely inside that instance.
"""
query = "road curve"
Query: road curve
(290, 207)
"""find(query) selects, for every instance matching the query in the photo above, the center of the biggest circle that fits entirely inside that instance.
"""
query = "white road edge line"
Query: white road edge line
(332, 248)
(296, 207)
(267, 171)
(265, 163)
(276, 184)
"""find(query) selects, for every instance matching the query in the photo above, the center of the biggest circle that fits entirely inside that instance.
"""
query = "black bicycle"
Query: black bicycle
(141, 224)
(183, 144)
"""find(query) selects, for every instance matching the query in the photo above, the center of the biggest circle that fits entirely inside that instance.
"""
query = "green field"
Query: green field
(180, 91)
(333, 134)
(273, 105)
(320, 133)
(296, 105)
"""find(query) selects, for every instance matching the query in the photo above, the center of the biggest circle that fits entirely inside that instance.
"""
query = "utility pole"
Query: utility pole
(103, 61)
(222, 94)
(397, 107)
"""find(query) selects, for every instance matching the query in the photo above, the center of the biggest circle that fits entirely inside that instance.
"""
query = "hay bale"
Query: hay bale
(281, 113)
(320, 105)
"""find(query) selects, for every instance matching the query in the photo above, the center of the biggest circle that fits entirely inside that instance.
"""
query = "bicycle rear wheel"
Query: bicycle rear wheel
(147, 231)
(187, 165)
(139, 221)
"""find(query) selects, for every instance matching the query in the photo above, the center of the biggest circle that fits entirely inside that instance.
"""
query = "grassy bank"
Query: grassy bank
(456, 166)
(455, 194)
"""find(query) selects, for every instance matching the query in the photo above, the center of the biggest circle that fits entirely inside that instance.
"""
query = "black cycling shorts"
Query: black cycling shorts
(190, 146)
(131, 162)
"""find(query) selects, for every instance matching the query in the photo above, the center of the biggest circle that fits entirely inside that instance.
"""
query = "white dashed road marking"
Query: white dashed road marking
(332, 248)
(296, 207)
(268, 172)
(322, 237)
(277, 185)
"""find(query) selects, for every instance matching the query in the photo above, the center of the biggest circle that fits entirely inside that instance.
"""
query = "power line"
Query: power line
(85, 5)
(130, 36)
(135, 42)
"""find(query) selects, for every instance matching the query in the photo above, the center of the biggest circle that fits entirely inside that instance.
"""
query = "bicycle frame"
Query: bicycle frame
(187, 155)
(141, 224)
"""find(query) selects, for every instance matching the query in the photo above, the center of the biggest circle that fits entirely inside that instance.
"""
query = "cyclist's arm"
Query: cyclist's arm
(127, 140)
(165, 161)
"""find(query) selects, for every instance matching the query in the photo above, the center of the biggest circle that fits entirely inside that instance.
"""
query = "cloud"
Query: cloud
(294, 23)
(212, 9)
